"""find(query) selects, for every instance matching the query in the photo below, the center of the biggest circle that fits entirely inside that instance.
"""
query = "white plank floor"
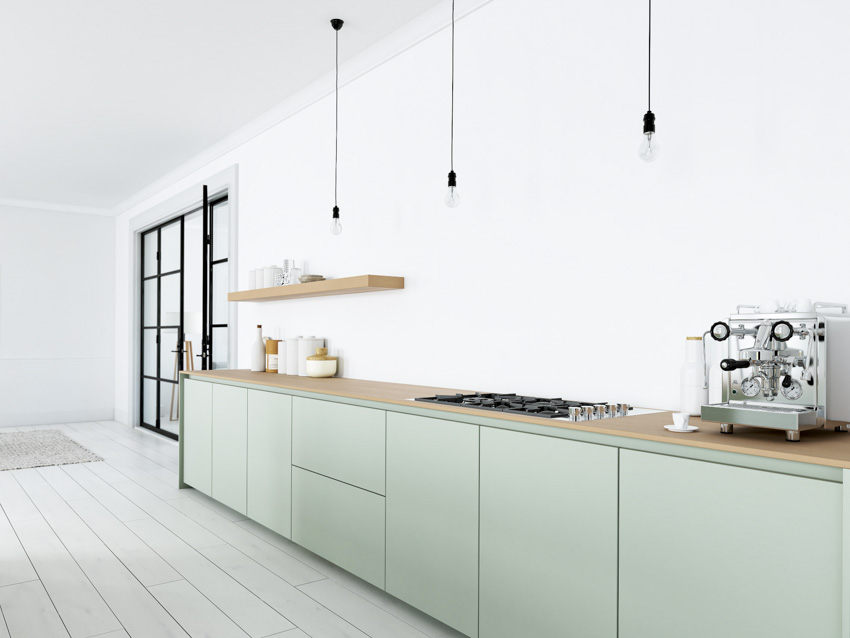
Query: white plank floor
(113, 548)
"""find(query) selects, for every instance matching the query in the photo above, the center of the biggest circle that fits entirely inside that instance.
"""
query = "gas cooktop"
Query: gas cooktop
(533, 406)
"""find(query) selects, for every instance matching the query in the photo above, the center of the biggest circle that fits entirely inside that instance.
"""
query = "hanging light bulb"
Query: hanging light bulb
(336, 226)
(452, 198)
(649, 148)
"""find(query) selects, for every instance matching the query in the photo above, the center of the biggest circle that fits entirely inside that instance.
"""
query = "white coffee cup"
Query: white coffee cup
(680, 419)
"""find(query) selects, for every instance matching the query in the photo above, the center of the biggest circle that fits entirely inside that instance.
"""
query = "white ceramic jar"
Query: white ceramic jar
(320, 365)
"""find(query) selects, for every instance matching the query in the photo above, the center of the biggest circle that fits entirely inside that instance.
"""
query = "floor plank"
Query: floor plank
(119, 505)
(16, 566)
(81, 607)
(138, 611)
(15, 502)
(64, 520)
(29, 613)
(279, 562)
(144, 563)
(310, 616)
(198, 616)
(250, 613)
(370, 618)
(183, 526)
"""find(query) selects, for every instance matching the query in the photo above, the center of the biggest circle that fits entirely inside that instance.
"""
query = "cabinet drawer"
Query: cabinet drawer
(341, 441)
(341, 523)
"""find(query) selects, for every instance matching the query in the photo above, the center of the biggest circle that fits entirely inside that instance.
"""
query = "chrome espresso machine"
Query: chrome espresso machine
(788, 369)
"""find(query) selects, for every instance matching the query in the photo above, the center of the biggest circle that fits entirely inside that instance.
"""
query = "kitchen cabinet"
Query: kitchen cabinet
(196, 437)
(710, 550)
(344, 442)
(270, 460)
(339, 522)
(230, 446)
(432, 517)
(548, 537)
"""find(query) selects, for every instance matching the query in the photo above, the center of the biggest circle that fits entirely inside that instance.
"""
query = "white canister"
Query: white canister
(306, 348)
(252, 279)
(268, 275)
(694, 394)
(292, 355)
(281, 357)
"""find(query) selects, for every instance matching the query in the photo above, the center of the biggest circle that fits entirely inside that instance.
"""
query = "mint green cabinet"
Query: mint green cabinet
(432, 517)
(548, 537)
(344, 442)
(339, 522)
(709, 550)
(196, 438)
(270, 460)
(230, 446)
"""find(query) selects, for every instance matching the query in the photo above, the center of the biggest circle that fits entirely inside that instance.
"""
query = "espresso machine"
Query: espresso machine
(786, 369)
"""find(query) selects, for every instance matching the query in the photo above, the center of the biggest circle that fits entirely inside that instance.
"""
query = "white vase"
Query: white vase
(258, 352)
(694, 394)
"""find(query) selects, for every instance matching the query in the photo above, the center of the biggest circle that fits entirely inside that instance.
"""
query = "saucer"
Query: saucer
(687, 428)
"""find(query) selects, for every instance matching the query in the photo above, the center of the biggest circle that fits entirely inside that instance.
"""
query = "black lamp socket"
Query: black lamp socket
(452, 178)
(649, 122)
(336, 212)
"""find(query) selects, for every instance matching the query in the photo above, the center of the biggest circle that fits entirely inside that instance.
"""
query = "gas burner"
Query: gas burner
(533, 406)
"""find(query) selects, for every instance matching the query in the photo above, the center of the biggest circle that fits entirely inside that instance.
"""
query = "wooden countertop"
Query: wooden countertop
(819, 446)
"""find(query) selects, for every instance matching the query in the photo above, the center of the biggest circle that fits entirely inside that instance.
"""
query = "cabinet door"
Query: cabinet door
(270, 460)
(230, 446)
(548, 537)
(710, 550)
(432, 517)
(196, 438)
(339, 522)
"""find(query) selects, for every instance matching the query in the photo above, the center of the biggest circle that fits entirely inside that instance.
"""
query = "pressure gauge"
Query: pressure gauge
(750, 387)
(793, 392)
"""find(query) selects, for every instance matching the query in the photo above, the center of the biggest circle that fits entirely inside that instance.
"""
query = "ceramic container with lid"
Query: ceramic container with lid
(321, 365)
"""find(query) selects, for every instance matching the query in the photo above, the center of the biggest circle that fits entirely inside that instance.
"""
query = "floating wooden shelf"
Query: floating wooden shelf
(344, 286)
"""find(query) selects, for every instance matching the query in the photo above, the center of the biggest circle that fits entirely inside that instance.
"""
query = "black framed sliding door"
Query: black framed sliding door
(184, 281)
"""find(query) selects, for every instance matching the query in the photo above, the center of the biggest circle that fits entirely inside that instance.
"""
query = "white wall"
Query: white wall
(571, 268)
(57, 314)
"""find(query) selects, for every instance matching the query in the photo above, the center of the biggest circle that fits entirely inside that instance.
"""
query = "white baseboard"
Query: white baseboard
(61, 416)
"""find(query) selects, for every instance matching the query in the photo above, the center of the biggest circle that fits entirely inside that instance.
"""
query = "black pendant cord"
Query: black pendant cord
(649, 63)
(452, 153)
(336, 124)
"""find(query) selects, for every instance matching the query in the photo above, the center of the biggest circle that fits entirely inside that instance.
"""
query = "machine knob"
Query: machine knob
(728, 365)
(787, 381)
(781, 331)
(720, 331)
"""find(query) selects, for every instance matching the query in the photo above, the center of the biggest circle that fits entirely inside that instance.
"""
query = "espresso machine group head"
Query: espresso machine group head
(784, 370)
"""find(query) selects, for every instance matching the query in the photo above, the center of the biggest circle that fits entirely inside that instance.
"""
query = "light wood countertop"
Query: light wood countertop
(820, 446)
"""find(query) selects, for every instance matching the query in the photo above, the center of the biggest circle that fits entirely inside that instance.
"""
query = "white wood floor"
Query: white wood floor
(114, 549)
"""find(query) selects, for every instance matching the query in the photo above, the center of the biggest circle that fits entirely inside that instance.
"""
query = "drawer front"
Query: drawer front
(270, 460)
(344, 442)
(341, 523)
(196, 438)
(230, 446)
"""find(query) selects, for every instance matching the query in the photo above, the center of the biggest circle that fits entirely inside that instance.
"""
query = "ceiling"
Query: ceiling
(102, 97)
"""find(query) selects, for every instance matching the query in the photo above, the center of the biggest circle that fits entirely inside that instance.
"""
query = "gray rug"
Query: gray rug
(40, 448)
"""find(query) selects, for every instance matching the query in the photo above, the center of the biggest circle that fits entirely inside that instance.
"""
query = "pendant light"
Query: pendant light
(649, 149)
(452, 198)
(336, 226)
